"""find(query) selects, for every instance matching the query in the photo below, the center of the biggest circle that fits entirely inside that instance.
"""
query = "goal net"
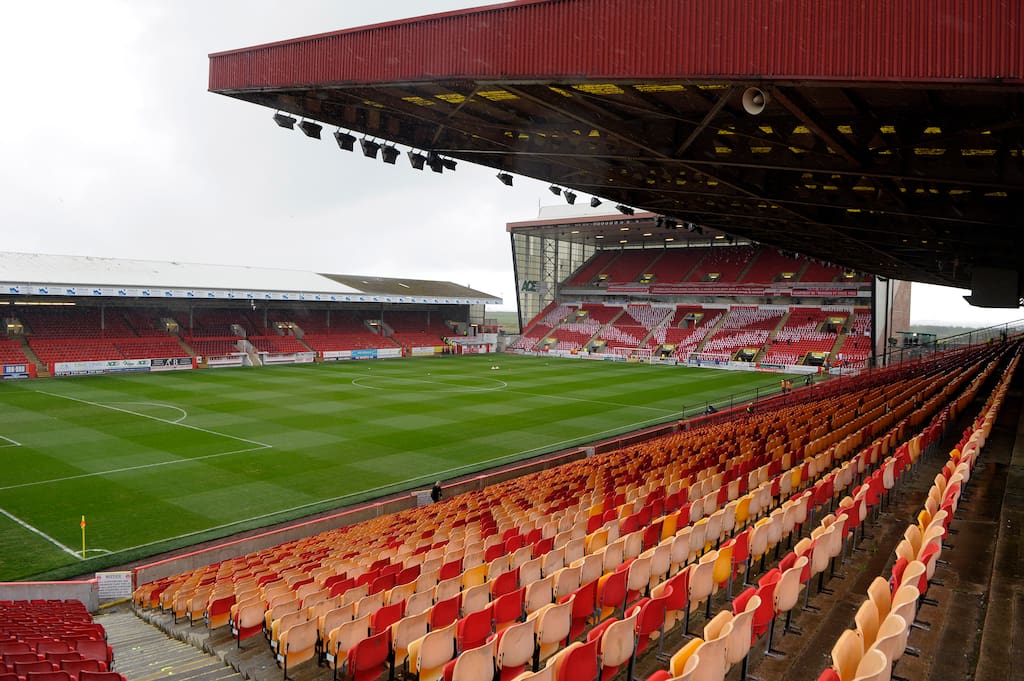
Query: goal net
(638, 355)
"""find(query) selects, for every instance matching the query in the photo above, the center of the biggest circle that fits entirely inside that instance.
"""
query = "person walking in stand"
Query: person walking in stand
(436, 493)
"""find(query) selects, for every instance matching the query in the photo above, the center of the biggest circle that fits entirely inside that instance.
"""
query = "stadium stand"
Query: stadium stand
(212, 346)
(221, 323)
(149, 347)
(417, 329)
(591, 268)
(818, 272)
(278, 343)
(632, 328)
(743, 328)
(712, 501)
(71, 321)
(67, 349)
(11, 352)
(674, 265)
(539, 329)
(771, 266)
(856, 346)
(148, 321)
(46, 635)
(801, 334)
(682, 324)
(628, 266)
(722, 264)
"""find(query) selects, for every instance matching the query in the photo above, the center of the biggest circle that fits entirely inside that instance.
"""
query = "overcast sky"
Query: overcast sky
(112, 146)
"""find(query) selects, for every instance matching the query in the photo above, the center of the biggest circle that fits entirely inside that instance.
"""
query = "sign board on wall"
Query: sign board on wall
(114, 585)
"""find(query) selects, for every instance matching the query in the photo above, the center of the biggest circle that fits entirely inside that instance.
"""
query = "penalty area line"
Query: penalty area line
(155, 418)
(36, 530)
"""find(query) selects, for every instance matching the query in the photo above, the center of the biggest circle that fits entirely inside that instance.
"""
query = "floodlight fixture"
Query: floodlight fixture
(505, 178)
(435, 162)
(449, 163)
(389, 154)
(624, 209)
(346, 141)
(370, 148)
(594, 202)
(311, 129)
(570, 197)
(416, 160)
(284, 120)
(555, 189)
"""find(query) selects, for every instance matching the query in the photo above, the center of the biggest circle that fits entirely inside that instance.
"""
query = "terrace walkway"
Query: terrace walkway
(145, 653)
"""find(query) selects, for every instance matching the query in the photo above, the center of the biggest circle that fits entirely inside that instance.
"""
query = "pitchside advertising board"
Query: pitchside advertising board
(15, 371)
(120, 366)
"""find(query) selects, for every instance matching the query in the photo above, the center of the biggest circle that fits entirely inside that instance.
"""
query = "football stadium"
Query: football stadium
(712, 449)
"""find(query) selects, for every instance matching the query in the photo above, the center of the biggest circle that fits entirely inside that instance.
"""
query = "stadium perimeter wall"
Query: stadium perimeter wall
(84, 590)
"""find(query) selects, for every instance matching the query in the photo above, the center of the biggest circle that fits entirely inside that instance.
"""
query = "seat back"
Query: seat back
(711, 664)
(867, 623)
(846, 655)
(702, 581)
(515, 648)
(739, 632)
(475, 664)
(716, 627)
(404, 632)
(539, 593)
(677, 663)
(298, 643)
(474, 629)
(878, 592)
(618, 643)
(566, 580)
(436, 649)
(891, 637)
(872, 667)
(344, 637)
(553, 624)
(509, 608)
(368, 658)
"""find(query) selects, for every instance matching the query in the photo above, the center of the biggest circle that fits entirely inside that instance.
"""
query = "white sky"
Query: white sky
(112, 146)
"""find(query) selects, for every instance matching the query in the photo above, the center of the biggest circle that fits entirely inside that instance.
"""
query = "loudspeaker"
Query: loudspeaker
(755, 100)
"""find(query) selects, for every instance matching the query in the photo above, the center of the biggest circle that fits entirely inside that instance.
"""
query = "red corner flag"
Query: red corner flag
(83, 522)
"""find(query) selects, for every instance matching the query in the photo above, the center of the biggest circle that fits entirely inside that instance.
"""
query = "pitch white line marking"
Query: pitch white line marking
(448, 387)
(358, 382)
(155, 418)
(9, 440)
(184, 414)
(135, 468)
(42, 534)
(257, 446)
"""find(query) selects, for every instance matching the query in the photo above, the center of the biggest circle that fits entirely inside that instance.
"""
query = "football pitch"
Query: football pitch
(159, 461)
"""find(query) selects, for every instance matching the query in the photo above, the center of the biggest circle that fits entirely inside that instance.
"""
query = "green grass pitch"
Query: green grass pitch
(159, 461)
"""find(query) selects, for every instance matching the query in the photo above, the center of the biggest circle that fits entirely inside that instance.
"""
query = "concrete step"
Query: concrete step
(143, 652)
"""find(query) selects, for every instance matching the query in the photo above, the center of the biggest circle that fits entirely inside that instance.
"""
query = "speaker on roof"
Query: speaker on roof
(755, 100)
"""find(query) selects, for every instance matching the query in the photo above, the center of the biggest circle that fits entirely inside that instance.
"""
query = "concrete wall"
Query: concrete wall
(86, 591)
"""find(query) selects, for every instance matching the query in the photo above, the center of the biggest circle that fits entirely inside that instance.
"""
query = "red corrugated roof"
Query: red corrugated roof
(592, 40)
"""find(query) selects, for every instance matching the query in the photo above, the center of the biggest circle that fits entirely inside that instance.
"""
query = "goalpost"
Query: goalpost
(637, 355)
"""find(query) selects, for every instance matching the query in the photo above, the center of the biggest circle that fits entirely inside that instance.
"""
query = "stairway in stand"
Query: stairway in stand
(145, 653)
